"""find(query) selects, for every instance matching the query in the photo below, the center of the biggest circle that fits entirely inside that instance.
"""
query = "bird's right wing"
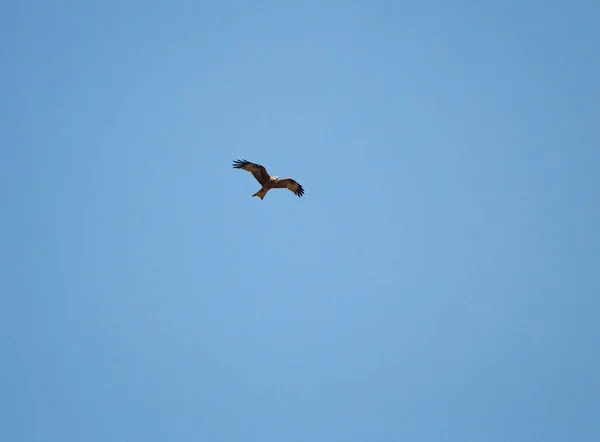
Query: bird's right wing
(259, 172)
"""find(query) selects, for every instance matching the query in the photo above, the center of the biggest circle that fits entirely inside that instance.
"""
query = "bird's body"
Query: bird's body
(266, 187)
(267, 181)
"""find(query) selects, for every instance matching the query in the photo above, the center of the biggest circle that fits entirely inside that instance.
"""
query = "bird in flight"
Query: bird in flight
(266, 181)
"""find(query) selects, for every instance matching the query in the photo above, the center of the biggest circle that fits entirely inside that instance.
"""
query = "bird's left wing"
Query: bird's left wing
(290, 184)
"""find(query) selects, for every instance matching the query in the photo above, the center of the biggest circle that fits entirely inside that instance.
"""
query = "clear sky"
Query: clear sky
(439, 280)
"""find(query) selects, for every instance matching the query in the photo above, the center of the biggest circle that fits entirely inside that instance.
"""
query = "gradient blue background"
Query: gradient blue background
(439, 281)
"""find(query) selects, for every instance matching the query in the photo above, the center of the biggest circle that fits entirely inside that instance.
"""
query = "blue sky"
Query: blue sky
(439, 281)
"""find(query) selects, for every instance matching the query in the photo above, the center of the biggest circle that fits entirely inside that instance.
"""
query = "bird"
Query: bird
(268, 182)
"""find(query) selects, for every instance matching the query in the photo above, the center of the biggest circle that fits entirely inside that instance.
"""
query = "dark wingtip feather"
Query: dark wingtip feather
(238, 164)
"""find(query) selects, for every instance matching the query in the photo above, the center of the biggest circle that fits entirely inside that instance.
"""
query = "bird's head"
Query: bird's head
(274, 178)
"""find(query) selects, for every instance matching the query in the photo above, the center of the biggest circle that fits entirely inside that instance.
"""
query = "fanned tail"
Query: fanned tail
(261, 193)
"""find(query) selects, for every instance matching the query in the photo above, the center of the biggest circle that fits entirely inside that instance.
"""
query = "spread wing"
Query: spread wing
(290, 184)
(259, 172)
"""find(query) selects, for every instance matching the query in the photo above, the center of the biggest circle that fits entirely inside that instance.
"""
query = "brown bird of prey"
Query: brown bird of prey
(268, 182)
